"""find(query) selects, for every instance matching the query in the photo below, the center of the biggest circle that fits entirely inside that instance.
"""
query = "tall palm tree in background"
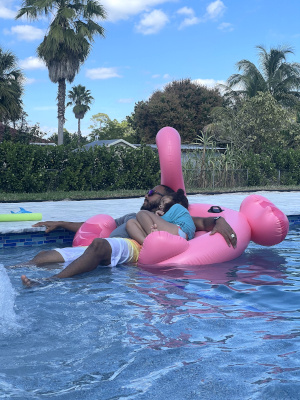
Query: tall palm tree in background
(276, 76)
(11, 87)
(68, 41)
(82, 98)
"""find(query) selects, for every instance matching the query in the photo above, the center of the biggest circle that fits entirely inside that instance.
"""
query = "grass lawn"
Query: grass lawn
(105, 194)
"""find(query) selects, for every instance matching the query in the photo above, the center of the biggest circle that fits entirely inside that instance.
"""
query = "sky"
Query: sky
(148, 44)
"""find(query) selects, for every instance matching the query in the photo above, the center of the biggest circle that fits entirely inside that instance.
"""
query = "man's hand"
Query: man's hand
(50, 225)
(226, 231)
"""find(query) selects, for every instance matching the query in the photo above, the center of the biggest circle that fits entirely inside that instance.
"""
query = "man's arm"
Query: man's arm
(216, 226)
(74, 226)
(52, 225)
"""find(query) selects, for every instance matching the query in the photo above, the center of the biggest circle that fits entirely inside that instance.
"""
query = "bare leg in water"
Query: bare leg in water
(43, 257)
(99, 252)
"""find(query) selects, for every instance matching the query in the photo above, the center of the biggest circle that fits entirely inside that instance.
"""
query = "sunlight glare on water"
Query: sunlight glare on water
(8, 318)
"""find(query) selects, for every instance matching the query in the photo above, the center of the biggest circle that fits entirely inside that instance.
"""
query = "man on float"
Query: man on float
(151, 203)
(116, 249)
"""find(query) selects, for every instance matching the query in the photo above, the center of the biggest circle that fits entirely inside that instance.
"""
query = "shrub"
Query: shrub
(29, 169)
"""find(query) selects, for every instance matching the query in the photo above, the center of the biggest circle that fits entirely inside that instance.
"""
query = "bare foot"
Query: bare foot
(29, 282)
(154, 228)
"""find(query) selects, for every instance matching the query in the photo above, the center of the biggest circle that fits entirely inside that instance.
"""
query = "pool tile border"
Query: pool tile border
(8, 240)
(30, 238)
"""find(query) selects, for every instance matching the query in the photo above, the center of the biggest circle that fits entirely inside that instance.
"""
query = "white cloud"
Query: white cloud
(186, 11)
(226, 27)
(32, 63)
(152, 22)
(120, 9)
(125, 101)
(190, 19)
(189, 22)
(209, 83)
(102, 73)
(26, 32)
(215, 10)
(5, 12)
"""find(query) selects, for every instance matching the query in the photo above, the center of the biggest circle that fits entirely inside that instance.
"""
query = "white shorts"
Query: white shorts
(122, 251)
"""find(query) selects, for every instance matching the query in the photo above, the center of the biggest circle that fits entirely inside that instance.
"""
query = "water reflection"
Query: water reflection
(191, 296)
(260, 267)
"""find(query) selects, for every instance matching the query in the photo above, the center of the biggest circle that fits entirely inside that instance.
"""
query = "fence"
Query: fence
(195, 178)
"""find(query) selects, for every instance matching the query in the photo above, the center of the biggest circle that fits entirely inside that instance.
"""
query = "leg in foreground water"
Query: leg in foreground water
(31, 282)
(99, 252)
(110, 251)
(44, 257)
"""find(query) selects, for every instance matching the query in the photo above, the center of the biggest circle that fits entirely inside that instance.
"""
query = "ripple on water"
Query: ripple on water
(220, 332)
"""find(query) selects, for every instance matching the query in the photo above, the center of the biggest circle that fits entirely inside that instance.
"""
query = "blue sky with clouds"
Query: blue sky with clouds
(148, 44)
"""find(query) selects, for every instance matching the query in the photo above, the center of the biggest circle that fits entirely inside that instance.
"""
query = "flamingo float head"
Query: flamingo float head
(169, 150)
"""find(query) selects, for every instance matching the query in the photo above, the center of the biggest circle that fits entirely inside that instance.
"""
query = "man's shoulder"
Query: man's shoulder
(124, 218)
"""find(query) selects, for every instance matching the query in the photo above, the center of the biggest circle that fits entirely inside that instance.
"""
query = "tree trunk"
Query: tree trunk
(61, 98)
(79, 132)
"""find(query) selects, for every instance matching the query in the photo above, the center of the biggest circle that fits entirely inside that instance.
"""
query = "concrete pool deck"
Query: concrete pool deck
(78, 211)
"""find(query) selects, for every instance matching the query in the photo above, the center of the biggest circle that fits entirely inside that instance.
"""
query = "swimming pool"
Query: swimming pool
(229, 331)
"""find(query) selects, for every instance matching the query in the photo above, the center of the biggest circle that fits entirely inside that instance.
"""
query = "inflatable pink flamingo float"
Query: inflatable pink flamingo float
(258, 220)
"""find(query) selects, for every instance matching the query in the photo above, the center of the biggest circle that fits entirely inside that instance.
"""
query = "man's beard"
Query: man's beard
(150, 206)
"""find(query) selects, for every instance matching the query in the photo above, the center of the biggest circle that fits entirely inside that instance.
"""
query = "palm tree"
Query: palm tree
(278, 77)
(68, 41)
(11, 87)
(82, 99)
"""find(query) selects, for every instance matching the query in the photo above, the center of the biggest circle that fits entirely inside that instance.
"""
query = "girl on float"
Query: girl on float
(172, 216)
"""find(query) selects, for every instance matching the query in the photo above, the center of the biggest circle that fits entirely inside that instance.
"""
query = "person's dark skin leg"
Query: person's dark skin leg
(140, 228)
(43, 257)
(99, 252)
(135, 230)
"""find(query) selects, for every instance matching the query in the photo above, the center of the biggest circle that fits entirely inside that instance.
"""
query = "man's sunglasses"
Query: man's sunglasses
(152, 192)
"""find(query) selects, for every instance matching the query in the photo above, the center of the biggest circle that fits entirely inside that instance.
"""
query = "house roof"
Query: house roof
(183, 147)
(113, 142)
(109, 143)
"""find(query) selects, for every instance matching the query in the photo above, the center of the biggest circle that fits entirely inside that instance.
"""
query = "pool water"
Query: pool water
(228, 331)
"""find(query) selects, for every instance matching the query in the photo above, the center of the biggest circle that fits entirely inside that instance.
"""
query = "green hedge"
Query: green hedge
(263, 169)
(36, 169)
